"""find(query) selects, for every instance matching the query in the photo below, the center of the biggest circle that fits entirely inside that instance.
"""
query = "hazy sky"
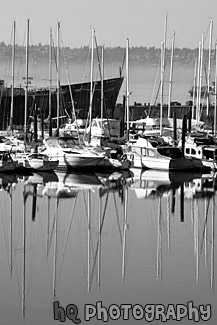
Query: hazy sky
(142, 21)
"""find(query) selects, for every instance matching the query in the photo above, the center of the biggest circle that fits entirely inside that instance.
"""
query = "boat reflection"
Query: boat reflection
(69, 184)
(6, 180)
(200, 191)
(153, 183)
(38, 177)
(100, 207)
(8, 183)
(200, 187)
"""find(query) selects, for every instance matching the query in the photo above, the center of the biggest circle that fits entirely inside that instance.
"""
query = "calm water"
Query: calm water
(137, 239)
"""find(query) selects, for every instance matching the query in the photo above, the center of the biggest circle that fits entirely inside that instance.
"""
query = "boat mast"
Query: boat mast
(165, 38)
(58, 83)
(72, 100)
(50, 81)
(194, 91)
(102, 89)
(27, 73)
(12, 87)
(91, 81)
(215, 92)
(198, 83)
(209, 67)
(127, 87)
(171, 74)
(162, 83)
(201, 71)
(163, 66)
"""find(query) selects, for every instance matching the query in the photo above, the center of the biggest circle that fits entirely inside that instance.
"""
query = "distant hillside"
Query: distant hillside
(148, 56)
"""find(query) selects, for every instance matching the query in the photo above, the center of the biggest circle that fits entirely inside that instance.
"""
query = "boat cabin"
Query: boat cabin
(208, 152)
(71, 128)
(61, 142)
(103, 130)
(105, 127)
(155, 148)
(149, 125)
(200, 187)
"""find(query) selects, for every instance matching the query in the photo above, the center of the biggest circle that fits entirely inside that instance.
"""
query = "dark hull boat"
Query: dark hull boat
(80, 94)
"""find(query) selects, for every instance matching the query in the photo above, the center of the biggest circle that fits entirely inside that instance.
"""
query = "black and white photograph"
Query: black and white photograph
(108, 162)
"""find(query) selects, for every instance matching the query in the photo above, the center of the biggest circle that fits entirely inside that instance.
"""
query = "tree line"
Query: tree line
(145, 55)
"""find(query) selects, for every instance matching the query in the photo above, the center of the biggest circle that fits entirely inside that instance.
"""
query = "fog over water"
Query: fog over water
(143, 80)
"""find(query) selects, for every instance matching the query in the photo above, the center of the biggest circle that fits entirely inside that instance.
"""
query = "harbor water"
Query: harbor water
(145, 240)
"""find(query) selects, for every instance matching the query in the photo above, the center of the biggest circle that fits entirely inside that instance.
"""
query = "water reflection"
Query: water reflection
(53, 213)
(200, 190)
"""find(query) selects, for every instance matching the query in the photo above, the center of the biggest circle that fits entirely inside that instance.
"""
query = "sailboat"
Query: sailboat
(69, 151)
(203, 145)
(104, 133)
(154, 153)
(27, 160)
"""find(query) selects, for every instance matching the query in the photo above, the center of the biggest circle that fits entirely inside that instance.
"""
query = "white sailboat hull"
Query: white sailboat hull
(165, 163)
(36, 161)
(71, 156)
(40, 165)
(70, 161)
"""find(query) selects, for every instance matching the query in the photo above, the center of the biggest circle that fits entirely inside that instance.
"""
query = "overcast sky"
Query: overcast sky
(142, 21)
